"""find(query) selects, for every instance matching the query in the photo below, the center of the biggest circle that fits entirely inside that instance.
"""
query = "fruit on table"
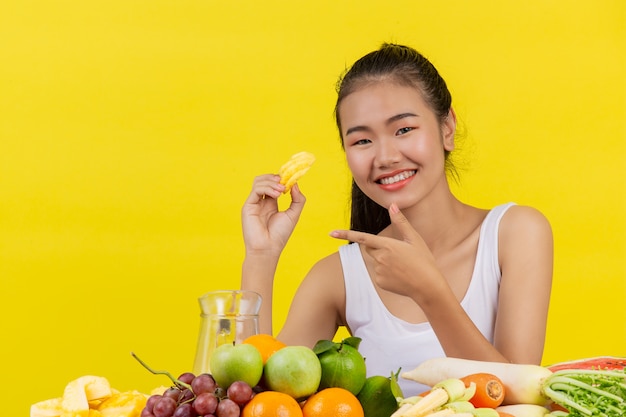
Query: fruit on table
(91, 396)
(293, 370)
(272, 404)
(335, 402)
(377, 398)
(79, 392)
(265, 343)
(599, 362)
(205, 398)
(197, 395)
(129, 403)
(342, 364)
(236, 362)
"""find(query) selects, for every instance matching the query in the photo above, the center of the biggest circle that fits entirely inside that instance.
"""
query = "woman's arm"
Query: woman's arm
(526, 259)
(266, 231)
(317, 309)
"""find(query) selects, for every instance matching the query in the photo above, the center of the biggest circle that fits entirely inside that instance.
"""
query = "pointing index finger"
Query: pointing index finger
(363, 238)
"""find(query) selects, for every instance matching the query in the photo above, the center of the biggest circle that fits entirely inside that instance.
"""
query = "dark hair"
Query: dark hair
(405, 66)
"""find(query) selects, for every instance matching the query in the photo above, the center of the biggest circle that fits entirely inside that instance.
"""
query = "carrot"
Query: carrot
(523, 410)
(489, 389)
(522, 383)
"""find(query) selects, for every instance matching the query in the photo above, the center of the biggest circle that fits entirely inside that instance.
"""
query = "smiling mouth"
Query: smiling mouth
(397, 178)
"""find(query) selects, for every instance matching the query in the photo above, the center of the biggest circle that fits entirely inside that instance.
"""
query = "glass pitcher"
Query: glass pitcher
(225, 317)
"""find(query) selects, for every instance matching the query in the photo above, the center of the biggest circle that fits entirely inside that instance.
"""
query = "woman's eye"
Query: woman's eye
(404, 130)
(361, 142)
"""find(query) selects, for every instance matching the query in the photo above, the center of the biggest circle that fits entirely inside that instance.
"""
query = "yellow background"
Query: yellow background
(130, 132)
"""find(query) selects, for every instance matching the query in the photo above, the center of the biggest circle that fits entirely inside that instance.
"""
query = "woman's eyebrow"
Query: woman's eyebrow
(400, 116)
(363, 128)
(358, 129)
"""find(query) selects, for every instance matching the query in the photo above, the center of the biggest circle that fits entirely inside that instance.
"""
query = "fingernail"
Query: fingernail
(394, 208)
(334, 233)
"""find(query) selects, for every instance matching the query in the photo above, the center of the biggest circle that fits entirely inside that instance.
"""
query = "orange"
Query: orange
(266, 344)
(272, 404)
(332, 402)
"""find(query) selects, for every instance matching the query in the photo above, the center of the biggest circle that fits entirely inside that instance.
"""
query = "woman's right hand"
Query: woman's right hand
(266, 230)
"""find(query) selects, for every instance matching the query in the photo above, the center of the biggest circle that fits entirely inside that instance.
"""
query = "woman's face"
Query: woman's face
(394, 143)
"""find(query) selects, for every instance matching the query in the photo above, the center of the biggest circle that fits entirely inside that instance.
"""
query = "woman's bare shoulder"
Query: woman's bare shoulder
(329, 267)
(524, 229)
(519, 218)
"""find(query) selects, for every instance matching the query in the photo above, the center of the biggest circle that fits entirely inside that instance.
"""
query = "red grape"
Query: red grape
(151, 401)
(185, 410)
(165, 407)
(240, 392)
(203, 383)
(146, 413)
(227, 408)
(174, 393)
(205, 403)
(186, 377)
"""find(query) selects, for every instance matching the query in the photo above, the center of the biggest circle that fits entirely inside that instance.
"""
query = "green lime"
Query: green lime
(376, 397)
(343, 366)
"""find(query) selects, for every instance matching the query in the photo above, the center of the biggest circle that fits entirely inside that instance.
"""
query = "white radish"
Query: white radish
(522, 383)
(524, 410)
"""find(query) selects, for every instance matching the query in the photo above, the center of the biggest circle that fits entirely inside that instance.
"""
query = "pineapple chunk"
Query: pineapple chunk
(47, 408)
(295, 168)
(123, 404)
(79, 392)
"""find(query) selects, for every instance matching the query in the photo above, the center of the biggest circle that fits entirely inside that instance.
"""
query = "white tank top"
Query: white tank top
(389, 343)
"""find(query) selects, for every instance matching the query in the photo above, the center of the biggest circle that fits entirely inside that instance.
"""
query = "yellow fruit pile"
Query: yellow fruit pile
(91, 396)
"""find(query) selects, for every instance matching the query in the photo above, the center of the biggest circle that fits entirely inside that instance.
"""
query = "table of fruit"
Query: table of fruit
(262, 377)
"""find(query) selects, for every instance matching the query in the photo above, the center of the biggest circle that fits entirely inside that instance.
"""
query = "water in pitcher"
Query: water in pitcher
(228, 316)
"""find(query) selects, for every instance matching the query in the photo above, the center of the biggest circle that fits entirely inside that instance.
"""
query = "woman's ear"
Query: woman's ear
(448, 130)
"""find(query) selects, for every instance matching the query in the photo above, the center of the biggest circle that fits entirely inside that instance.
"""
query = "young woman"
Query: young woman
(423, 275)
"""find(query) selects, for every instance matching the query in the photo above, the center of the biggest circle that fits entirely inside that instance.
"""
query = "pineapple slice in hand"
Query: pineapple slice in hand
(292, 170)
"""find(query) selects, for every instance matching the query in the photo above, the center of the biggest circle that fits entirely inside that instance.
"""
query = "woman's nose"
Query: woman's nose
(387, 153)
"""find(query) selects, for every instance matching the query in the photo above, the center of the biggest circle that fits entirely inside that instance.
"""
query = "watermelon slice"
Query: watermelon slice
(599, 362)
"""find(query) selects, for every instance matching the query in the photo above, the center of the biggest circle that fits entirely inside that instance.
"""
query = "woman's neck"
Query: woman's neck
(438, 219)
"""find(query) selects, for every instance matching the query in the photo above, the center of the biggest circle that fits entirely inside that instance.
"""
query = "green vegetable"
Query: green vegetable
(588, 392)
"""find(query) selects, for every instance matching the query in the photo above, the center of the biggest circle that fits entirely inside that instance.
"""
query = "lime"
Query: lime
(343, 366)
(377, 398)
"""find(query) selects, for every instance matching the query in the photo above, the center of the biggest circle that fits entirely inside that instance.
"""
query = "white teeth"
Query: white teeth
(399, 177)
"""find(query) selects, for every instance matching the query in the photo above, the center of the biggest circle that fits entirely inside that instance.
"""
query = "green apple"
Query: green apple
(231, 362)
(293, 370)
